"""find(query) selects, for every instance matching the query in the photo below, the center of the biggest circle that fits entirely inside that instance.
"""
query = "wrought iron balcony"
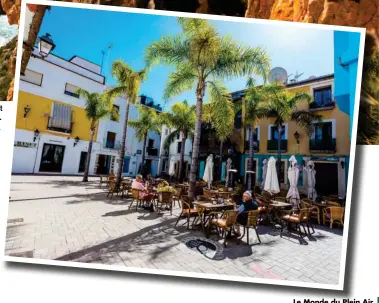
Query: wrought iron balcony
(323, 146)
(324, 106)
(59, 126)
(111, 144)
(272, 145)
(151, 151)
(256, 146)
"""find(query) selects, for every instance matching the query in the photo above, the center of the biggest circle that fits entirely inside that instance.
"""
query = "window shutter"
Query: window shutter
(32, 77)
(61, 117)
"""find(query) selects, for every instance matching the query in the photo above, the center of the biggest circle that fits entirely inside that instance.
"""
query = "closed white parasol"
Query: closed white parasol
(271, 181)
(208, 171)
(311, 177)
(171, 170)
(264, 173)
(293, 177)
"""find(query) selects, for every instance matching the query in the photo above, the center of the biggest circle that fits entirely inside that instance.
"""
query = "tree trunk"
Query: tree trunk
(196, 140)
(279, 160)
(181, 165)
(88, 158)
(251, 157)
(122, 149)
(221, 155)
(142, 169)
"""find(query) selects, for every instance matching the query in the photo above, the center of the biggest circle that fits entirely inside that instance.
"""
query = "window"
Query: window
(60, 119)
(115, 112)
(32, 77)
(150, 143)
(179, 147)
(323, 131)
(71, 90)
(178, 136)
(238, 120)
(274, 132)
(255, 134)
(111, 139)
(323, 96)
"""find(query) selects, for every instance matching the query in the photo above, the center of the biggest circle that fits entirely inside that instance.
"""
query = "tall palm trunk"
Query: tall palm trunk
(196, 139)
(123, 143)
(251, 157)
(89, 152)
(181, 167)
(279, 160)
(221, 155)
(142, 169)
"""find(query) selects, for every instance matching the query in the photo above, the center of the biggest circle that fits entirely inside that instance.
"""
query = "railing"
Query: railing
(152, 151)
(323, 145)
(59, 129)
(256, 145)
(272, 145)
(317, 106)
(111, 144)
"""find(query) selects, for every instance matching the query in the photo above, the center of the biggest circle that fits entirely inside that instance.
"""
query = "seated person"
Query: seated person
(164, 186)
(247, 204)
(143, 195)
(149, 179)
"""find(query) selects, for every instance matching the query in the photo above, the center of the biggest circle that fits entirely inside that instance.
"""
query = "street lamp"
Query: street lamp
(45, 45)
(36, 134)
(77, 139)
(26, 110)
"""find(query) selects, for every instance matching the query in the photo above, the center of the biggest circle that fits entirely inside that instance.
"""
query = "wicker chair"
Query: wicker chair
(252, 222)
(226, 223)
(223, 195)
(187, 211)
(113, 189)
(334, 214)
(136, 198)
(177, 196)
(203, 198)
(332, 203)
(208, 193)
(281, 199)
(334, 198)
(299, 219)
(315, 213)
(165, 198)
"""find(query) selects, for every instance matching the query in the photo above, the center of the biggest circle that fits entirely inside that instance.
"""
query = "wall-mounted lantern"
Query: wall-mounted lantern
(36, 135)
(26, 110)
(77, 139)
(45, 45)
(342, 164)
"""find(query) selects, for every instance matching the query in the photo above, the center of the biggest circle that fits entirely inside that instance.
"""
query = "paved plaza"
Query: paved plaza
(65, 219)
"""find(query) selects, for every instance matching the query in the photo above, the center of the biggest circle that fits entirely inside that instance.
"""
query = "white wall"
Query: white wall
(86, 64)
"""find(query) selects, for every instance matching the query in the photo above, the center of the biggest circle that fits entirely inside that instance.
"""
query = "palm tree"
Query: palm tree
(128, 86)
(182, 119)
(201, 56)
(147, 122)
(252, 101)
(219, 113)
(282, 105)
(98, 106)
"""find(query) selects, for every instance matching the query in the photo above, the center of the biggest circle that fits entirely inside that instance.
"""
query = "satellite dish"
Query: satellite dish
(278, 75)
(312, 77)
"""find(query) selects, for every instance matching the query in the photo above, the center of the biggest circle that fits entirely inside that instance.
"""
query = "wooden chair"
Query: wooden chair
(299, 219)
(334, 214)
(136, 198)
(187, 211)
(226, 223)
(165, 198)
(315, 211)
(252, 222)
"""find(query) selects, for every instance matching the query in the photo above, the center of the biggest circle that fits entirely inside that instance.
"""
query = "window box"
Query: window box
(323, 145)
(272, 145)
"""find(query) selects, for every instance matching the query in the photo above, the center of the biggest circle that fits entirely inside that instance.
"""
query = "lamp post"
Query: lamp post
(45, 45)
(297, 137)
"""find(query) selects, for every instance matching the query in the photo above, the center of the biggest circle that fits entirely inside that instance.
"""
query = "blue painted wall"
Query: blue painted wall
(346, 51)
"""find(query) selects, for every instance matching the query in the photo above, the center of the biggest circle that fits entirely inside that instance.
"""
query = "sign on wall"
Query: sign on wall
(25, 144)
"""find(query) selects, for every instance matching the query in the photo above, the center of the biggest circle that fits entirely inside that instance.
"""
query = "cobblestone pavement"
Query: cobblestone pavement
(64, 219)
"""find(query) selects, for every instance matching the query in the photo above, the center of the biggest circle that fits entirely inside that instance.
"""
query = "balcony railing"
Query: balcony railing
(323, 145)
(53, 125)
(111, 144)
(323, 106)
(256, 145)
(151, 151)
(272, 145)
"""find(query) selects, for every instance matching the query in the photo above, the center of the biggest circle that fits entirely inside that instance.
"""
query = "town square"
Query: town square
(188, 148)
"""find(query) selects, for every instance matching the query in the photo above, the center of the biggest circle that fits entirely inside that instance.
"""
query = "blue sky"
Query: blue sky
(86, 33)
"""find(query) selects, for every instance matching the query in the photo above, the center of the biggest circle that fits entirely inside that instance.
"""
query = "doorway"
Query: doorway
(103, 165)
(52, 158)
(82, 162)
(326, 178)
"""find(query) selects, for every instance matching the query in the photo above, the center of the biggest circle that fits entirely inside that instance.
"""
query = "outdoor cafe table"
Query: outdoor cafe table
(208, 207)
(276, 207)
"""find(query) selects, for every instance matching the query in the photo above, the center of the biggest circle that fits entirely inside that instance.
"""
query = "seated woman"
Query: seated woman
(164, 186)
(144, 194)
(247, 204)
